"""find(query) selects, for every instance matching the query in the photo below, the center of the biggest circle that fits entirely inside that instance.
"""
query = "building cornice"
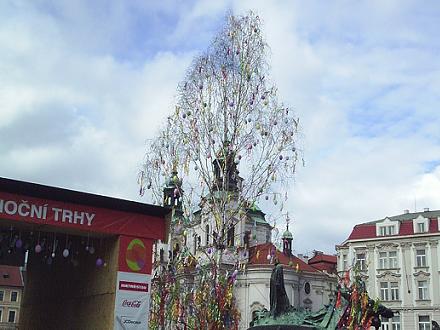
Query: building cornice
(389, 238)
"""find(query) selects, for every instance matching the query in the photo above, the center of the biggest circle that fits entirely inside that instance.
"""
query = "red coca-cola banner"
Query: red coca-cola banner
(69, 215)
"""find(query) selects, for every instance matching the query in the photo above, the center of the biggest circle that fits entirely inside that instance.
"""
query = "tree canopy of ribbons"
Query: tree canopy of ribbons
(234, 143)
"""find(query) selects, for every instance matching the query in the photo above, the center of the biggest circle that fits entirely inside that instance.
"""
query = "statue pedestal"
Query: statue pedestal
(281, 327)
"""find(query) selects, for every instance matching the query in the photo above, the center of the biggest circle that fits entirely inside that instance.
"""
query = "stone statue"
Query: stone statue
(435, 325)
(352, 309)
(279, 302)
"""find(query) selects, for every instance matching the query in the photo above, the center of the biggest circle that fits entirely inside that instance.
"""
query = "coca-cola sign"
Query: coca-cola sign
(131, 303)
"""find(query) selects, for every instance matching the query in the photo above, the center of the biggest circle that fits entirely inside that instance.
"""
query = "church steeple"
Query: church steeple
(287, 240)
(225, 170)
(172, 192)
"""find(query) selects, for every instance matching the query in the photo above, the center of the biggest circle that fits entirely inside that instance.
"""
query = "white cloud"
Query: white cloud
(362, 76)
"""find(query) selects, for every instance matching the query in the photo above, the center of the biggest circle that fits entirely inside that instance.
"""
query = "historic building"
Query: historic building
(11, 292)
(398, 258)
(306, 286)
(249, 247)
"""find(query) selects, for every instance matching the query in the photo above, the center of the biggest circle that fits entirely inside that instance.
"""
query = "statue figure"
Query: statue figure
(279, 302)
(352, 308)
(435, 325)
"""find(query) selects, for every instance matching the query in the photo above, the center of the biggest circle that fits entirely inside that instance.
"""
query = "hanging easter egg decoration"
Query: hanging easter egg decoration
(53, 254)
(91, 250)
(38, 248)
(18, 243)
(99, 262)
(66, 253)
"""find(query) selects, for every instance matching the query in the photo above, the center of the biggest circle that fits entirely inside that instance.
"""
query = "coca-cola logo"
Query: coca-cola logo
(131, 303)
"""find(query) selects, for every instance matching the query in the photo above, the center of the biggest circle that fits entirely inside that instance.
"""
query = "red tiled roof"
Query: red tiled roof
(321, 257)
(10, 276)
(258, 256)
(363, 231)
(325, 262)
(368, 230)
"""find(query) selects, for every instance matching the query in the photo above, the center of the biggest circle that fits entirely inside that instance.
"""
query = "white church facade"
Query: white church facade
(250, 248)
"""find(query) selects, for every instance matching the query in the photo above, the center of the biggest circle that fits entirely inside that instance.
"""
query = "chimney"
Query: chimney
(405, 211)
(317, 253)
(426, 209)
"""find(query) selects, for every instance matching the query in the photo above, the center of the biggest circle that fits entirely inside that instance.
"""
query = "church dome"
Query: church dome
(173, 181)
(287, 234)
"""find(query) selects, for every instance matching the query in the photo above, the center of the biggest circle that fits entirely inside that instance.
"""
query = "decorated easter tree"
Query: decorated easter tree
(230, 138)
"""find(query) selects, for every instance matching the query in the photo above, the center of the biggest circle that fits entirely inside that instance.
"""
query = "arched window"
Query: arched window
(207, 234)
(230, 237)
(307, 288)
(195, 244)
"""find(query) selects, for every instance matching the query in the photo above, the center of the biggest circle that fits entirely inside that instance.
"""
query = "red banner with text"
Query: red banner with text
(77, 216)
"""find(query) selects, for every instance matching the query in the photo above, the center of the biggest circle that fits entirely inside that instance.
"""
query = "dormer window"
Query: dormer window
(420, 225)
(387, 230)
(387, 227)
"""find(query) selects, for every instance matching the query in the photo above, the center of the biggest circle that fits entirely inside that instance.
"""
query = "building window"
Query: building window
(388, 260)
(195, 244)
(2, 294)
(421, 227)
(386, 230)
(394, 290)
(11, 317)
(344, 262)
(421, 258)
(383, 260)
(207, 234)
(395, 322)
(392, 259)
(424, 322)
(307, 288)
(361, 261)
(1, 314)
(422, 287)
(385, 324)
(384, 291)
(389, 291)
(14, 296)
(231, 236)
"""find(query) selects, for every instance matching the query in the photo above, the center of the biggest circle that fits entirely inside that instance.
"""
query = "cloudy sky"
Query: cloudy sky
(83, 85)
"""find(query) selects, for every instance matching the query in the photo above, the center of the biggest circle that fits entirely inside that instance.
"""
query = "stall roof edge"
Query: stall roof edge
(72, 196)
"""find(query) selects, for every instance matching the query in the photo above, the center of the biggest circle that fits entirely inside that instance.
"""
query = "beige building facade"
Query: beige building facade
(399, 259)
(11, 291)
